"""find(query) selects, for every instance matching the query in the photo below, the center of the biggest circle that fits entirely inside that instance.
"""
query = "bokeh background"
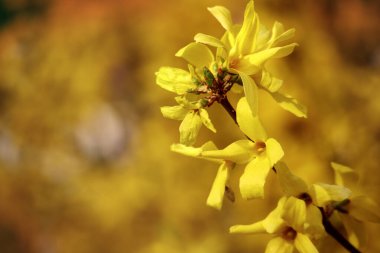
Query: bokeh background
(85, 164)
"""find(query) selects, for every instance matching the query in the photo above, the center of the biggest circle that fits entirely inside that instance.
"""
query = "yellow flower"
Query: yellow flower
(244, 49)
(355, 209)
(192, 115)
(287, 236)
(216, 195)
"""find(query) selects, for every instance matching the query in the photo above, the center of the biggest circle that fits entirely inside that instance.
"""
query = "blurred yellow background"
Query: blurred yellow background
(84, 150)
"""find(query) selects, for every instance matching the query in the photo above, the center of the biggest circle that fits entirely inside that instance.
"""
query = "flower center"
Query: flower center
(305, 197)
(289, 234)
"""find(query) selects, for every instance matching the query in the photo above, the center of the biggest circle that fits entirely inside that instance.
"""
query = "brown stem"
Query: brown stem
(334, 233)
(228, 107)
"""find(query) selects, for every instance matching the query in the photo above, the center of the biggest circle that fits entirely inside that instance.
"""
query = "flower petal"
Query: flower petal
(364, 208)
(313, 225)
(206, 120)
(192, 151)
(253, 179)
(251, 93)
(274, 151)
(290, 183)
(322, 194)
(239, 152)
(357, 234)
(215, 198)
(304, 245)
(279, 245)
(345, 176)
(223, 15)
(273, 222)
(249, 124)
(176, 112)
(174, 80)
(208, 40)
(279, 35)
(290, 104)
(295, 213)
(189, 128)
(197, 54)
(255, 228)
(269, 82)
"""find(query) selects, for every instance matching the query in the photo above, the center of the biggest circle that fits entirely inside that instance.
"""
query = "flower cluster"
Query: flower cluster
(237, 61)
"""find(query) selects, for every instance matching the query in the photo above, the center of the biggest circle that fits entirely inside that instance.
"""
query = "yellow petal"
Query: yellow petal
(364, 208)
(253, 179)
(223, 15)
(269, 82)
(256, 228)
(279, 35)
(356, 232)
(192, 151)
(345, 176)
(295, 213)
(251, 93)
(313, 225)
(290, 104)
(279, 245)
(174, 80)
(304, 245)
(274, 223)
(274, 151)
(246, 38)
(260, 58)
(215, 198)
(206, 120)
(197, 54)
(239, 152)
(208, 40)
(249, 124)
(189, 128)
(290, 183)
(174, 112)
(322, 194)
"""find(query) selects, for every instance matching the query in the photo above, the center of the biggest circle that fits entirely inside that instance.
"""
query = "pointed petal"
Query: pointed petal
(251, 93)
(174, 80)
(295, 213)
(290, 104)
(192, 151)
(249, 124)
(313, 225)
(290, 183)
(274, 151)
(246, 38)
(239, 152)
(274, 223)
(189, 128)
(345, 176)
(223, 15)
(256, 228)
(208, 40)
(357, 234)
(259, 58)
(279, 35)
(206, 120)
(279, 245)
(253, 179)
(174, 112)
(322, 194)
(269, 82)
(215, 198)
(197, 54)
(304, 245)
(364, 208)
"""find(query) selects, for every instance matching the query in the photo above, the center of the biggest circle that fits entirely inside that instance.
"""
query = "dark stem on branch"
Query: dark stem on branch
(228, 107)
(331, 230)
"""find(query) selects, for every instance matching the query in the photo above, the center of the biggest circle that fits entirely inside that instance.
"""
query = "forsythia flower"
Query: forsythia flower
(190, 109)
(244, 49)
(258, 154)
(355, 209)
(287, 237)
